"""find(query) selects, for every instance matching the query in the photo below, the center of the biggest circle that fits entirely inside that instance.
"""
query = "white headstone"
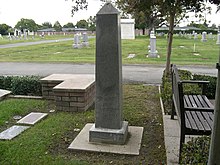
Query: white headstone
(77, 44)
(153, 52)
(210, 36)
(195, 36)
(218, 39)
(204, 39)
(85, 41)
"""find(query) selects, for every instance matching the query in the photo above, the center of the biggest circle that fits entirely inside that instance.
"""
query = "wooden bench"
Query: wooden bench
(195, 112)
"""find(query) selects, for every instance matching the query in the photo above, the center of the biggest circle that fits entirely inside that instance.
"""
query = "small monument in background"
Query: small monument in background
(77, 44)
(85, 40)
(204, 37)
(152, 53)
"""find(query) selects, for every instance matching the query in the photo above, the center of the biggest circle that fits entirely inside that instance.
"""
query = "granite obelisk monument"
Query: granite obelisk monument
(109, 126)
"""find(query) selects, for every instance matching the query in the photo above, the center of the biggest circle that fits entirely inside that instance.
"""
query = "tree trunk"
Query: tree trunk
(143, 30)
(170, 42)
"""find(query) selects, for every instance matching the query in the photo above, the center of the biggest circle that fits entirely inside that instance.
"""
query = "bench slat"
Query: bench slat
(186, 101)
(208, 118)
(203, 121)
(208, 102)
(193, 101)
(197, 121)
(190, 121)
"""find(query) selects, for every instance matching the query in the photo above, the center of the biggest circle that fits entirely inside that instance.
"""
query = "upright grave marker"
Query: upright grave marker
(204, 38)
(108, 127)
(77, 44)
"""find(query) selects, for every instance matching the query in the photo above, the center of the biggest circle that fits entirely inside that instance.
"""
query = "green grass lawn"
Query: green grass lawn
(182, 52)
(47, 141)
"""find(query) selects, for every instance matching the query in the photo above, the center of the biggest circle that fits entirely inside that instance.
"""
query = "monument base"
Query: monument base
(85, 44)
(111, 136)
(77, 46)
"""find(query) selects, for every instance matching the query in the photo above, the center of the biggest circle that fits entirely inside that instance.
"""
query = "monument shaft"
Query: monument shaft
(108, 71)
(108, 127)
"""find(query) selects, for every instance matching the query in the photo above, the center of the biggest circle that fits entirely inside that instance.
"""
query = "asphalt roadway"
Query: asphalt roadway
(148, 74)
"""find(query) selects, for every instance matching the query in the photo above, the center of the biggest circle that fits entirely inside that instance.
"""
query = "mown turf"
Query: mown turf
(206, 53)
(47, 141)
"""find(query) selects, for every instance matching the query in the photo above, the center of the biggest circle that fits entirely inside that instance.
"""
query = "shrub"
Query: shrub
(196, 151)
(167, 88)
(211, 87)
(21, 85)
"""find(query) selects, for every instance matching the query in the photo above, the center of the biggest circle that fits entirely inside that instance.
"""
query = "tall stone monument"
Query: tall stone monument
(153, 53)
(109, 132)
(109, 126)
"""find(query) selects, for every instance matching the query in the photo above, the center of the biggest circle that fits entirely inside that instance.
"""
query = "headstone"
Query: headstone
(77, 44)
(85, 40)
(190, 36)
(204, 39)
(152, 53)
(127, 28)
(195, 36)
(109, 126)
(12, 132)
(32, 118)
(218, 39)
(9, 36)
(210, 36)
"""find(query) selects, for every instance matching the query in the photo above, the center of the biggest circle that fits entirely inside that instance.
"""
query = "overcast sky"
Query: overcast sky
(11, 11)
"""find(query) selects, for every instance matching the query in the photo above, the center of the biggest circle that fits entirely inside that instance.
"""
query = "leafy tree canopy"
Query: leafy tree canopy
(28, 24)
(82, 24)
(69, 25)
(4, 29)
(57, 26)
(46, 25)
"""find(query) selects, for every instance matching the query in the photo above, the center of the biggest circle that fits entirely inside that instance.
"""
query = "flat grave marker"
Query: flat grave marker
(12, 132)
(32, 118)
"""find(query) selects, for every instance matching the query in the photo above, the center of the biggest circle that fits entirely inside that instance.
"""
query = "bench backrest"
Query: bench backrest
(177, 91)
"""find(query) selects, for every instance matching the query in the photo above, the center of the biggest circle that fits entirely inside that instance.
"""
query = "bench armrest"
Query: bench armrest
(199, 109)
(203, 83)
(194, 82)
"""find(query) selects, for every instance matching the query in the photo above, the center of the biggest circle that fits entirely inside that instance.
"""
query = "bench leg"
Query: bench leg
(182, 141)
(172, 111)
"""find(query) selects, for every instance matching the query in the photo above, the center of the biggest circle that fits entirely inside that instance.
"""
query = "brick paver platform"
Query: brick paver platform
(71, 92)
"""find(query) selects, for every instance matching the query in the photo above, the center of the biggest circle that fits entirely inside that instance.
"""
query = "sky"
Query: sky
(11, 11)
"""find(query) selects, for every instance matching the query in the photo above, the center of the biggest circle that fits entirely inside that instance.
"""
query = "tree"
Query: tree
(91, 23)
(68, 25)
(57, 26)
(46, 25)
(82, 24)
(28, 24)
(4, 29)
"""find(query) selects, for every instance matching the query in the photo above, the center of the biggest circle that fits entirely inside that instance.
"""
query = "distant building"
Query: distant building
(52, 31)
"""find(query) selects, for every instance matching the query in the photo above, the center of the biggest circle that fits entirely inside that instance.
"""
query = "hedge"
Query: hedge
(22, 85)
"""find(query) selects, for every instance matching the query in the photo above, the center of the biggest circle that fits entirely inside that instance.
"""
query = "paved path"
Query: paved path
(150, 74)
(33, 43)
